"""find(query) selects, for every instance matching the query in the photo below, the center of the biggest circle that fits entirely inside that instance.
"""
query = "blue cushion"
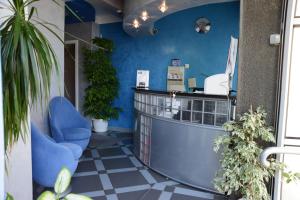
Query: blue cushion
(49, 138)
(49, 157)
(71, 134)
(76, 149)
(67, 124)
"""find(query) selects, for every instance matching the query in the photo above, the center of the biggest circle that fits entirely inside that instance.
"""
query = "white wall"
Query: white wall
(2, 172)
(1, 136)
(18, 180)
(51, 12)
(86, 32)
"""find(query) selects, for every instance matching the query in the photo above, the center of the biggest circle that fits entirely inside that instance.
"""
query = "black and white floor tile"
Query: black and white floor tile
(112, 172)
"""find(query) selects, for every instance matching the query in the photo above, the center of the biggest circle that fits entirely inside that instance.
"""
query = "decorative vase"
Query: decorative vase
(100, 125)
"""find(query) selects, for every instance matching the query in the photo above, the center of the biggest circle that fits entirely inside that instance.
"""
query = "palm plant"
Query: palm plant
(27, 64)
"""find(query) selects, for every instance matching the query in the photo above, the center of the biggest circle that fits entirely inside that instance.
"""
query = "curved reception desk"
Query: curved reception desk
(174, 136)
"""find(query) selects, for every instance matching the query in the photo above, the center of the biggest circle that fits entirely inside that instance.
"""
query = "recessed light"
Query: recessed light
(136, 24)
(145, 15)
(163, 7)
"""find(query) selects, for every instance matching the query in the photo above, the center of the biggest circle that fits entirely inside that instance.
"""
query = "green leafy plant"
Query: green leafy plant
(241, 171)
(27, 63)
(61, 185)
(104, 84)
(9, 197)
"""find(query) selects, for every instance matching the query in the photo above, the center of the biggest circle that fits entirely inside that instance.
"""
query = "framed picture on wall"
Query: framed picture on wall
(142, 79)
(175, 79)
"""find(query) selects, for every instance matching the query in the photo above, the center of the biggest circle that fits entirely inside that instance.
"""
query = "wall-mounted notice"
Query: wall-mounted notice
(142, 79)
(175, 79)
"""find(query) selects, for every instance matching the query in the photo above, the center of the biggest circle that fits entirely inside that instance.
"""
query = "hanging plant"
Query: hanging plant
(27, 64)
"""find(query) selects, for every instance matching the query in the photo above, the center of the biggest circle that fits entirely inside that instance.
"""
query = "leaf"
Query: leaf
(241, 171)
(77, 197)
(32, 11)
(68, 8)
(9, 197)
(28, 61)
(47, 195)
(62, 181)
(104, 84)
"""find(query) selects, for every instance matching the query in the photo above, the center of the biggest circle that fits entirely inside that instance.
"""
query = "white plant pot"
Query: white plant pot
(100, 125)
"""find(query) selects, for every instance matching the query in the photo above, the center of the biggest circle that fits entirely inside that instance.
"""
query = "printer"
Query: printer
(221, 84)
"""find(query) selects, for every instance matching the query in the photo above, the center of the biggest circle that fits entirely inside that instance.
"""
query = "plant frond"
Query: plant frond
(28, 61)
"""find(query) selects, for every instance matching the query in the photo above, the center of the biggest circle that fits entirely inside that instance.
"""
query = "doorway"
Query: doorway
(288, 140)
(71, 72)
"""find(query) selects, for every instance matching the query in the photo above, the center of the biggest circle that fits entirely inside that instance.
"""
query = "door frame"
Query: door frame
(282, 140)
(76, 42)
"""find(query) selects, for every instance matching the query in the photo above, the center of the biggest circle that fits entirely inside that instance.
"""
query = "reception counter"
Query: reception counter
(174, 134)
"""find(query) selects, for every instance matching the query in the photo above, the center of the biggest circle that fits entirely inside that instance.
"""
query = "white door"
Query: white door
(288, 141)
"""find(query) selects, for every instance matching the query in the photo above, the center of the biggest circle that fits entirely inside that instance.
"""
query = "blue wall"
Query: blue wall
(206, 53)
(83, 9)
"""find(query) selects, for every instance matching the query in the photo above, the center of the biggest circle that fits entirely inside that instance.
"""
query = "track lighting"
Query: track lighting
(145, 16)
(163, 7)
(136, 24)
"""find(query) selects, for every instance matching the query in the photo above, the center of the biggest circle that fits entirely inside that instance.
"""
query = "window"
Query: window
(199, 110)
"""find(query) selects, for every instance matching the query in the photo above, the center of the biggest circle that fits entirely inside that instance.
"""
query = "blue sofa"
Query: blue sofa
(66, 123)
(48, 157)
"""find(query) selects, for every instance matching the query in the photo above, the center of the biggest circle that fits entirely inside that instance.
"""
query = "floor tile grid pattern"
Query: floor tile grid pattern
(114, 173)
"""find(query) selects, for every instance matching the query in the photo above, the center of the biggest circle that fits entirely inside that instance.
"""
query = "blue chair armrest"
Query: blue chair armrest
(85, 122)
(56, 133)
(47, 160)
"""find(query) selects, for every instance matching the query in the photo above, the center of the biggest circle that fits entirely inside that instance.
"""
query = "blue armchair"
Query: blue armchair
(48, 157)
(67, 125)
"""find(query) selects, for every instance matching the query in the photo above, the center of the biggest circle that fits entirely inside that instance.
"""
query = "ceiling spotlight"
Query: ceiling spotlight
(163, 7)
(136, 23)
(145, 16)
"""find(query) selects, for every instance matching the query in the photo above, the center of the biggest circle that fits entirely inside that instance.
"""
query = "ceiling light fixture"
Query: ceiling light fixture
(136, 24)
(163, 7)
(145, 16)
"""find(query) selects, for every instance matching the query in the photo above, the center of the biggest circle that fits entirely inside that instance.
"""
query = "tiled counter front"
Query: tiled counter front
(174, 135)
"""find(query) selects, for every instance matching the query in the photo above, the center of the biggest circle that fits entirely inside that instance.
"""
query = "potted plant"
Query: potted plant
(104, 84)
(241, 174)
(61, 187)
(28, 60)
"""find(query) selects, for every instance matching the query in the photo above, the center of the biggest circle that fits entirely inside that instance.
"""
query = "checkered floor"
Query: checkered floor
(112, 172)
